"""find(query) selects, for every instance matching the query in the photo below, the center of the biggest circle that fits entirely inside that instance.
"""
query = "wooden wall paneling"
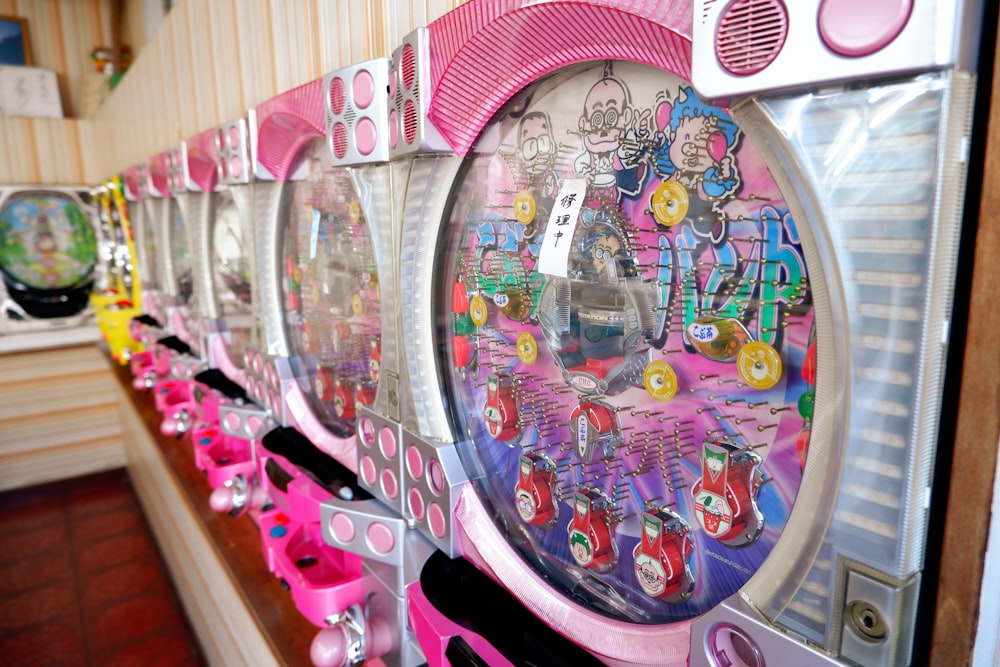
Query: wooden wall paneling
(18, 162)
(402, 17)
(257, 66)
(205, 71)
(225, 43)
(293, 44)
(182, 91)
(58, 416)
(59, 149)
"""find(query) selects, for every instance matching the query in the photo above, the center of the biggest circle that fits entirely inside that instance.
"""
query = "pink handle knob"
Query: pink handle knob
(329, 647)
(221, 500)
(169, 427)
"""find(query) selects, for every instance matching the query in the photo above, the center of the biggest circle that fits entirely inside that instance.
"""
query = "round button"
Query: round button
(234, 136)
(365, 136)
(342, 527)
(368, 471)
(281, 519)
(436, 520)
(236, 166)
(393, 128)
(390, 486)
(387, 443)
(414, 462)
(278, 531)
(253, 424)
(364, 88)
(847, 34)
(380, 538)
(367, 430)
(435, 477)
(416, 503)
(233, 422)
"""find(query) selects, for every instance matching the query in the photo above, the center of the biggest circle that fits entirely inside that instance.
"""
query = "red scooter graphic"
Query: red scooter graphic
(500, 412)
(663, 555)
(535, 490)
(591, 532)
(726, 494)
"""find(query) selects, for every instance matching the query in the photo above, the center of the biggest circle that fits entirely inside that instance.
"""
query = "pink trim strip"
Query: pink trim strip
(485, 52)
(202, 157)
(158, 182)
(285, 123)
(614, 642)
(342, 449)
(224, 362)
(179, 325)
(132, 178)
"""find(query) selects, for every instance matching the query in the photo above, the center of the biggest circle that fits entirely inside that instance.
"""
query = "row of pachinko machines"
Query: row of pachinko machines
(578, 332)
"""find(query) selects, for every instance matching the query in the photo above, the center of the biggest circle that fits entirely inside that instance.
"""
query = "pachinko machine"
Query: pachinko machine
(673, 308)
(49, 258)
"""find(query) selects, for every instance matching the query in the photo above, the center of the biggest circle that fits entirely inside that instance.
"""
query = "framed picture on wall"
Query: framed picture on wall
(15, 49)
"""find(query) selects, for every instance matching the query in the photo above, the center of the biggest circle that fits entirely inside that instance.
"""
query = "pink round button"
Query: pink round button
(393, 128)
(416, 503)
(390, 486)
(380, 538)
(234, 136)
(387, 443)
(365, 135)
(414, 462)
(253, 424)
(436, 521)
(367, 429)
(342, 527)
(856, 28)
(435, 477)
(233, 422)
(364, 89)
(236, 166)
(368, 470)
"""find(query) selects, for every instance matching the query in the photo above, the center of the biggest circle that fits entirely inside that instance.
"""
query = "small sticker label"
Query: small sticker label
(554, 253)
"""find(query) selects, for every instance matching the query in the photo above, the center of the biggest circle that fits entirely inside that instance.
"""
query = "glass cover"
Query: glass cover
(331, 291)
(231, 272)
(46, 241)
(629, 341)
(148, 240)
(180, 253)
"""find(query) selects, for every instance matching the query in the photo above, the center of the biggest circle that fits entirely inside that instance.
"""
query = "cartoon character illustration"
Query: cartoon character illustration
(615, 138)
(700, 154)
(536, 157)
(500, 412)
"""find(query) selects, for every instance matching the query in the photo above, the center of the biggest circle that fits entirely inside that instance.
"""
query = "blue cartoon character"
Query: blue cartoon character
(699, 155)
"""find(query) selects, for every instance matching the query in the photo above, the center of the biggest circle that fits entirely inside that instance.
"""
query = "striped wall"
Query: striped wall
(58, 416)
(209, 61)
(213, 59)
(62, 35)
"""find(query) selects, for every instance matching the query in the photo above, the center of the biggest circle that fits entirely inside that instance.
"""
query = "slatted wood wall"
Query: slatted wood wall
(208, 63)
(211, 61)
(58, 416)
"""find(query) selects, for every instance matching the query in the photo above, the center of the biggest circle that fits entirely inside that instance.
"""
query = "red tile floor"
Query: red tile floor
(82, 582)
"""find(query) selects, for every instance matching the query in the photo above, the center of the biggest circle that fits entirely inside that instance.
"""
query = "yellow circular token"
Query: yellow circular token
(660, 380)
(524, 207)
(759, 365)
(355, 211)
(477, 310)
(669, 203)
(357, 305)
(527, 348)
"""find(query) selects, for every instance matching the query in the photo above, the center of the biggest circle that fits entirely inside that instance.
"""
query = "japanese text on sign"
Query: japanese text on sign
(554, 253)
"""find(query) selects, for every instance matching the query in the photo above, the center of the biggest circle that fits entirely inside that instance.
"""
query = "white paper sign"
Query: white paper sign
(554, 254)
(314, 232)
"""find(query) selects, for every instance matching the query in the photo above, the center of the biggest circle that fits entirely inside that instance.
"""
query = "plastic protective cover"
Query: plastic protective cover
(693, 353)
